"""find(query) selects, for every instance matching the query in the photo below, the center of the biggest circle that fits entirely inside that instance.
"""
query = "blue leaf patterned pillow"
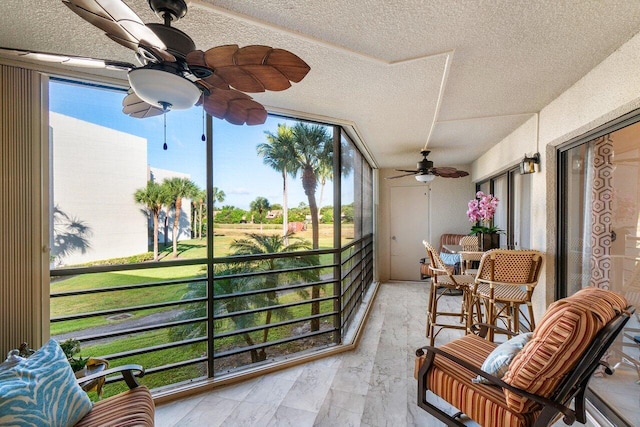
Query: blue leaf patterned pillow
(497, 362)
(41, 391)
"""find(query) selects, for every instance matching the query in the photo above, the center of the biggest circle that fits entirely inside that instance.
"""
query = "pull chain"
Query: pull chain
(165, 107)
(204, 138)
(164, 147)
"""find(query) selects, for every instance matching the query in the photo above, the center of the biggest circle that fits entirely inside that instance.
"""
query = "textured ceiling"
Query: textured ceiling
(459, 74)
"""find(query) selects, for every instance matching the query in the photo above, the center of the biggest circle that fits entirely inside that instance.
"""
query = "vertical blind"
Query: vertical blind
(22, 258)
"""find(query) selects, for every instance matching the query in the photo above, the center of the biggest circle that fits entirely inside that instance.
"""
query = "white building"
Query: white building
(93, 186)
(94, 183)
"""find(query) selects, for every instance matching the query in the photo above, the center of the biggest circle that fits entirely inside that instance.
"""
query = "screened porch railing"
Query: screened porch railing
(132, 313)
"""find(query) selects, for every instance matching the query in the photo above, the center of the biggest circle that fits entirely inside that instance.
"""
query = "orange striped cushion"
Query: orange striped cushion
(127, 409)
(563, 335)
(483, 403)
(605, 304)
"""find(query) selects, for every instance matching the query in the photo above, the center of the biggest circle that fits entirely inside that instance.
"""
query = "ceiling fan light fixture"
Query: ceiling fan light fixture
(528, 164)
(160, 88)
(426, 177)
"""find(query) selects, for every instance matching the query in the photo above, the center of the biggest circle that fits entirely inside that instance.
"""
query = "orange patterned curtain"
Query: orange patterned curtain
(601, 212)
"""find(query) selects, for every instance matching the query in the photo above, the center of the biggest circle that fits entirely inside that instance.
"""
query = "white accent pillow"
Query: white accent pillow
(497, 362)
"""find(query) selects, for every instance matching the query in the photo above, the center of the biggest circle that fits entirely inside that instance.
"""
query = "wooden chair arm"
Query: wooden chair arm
(127, 374)
(483, 329)
(569, 414)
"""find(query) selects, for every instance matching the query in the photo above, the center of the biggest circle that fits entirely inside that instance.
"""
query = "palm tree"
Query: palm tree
(278, 153)
(314, 153)
(256, 244)
(198, 202)
(251, 245)
(177, 188)
(222, 286)
(260, 204)
(152, 197)
(325, 172)
(218, 196)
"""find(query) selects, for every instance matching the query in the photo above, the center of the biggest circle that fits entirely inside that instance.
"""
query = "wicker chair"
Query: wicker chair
(552, 370)
(469, 255)
(505, 281)
(443, 282)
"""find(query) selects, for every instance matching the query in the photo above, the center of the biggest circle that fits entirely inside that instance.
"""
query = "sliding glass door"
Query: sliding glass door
(599, 245)
(513, 214)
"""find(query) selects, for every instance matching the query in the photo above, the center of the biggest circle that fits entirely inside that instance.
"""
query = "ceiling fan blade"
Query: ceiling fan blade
(133, 106)
(405, 170)
(220, 56)
(253, 60)
(117, 20)
(77, 61)
(253, 68)
(289, 64)
(445, 170)
(401, 176)
(235, 107)
(448, 172)
(195, 60)
(239, 78)
(215, 81)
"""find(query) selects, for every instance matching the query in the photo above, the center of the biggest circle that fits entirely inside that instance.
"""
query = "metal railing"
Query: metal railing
(255, 315)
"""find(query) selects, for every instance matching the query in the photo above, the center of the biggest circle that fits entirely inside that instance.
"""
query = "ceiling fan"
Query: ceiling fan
(173, 74)
(425, 171)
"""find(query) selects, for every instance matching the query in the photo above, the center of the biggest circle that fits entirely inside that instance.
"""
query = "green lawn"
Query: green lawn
(186, 352)
(190, 249)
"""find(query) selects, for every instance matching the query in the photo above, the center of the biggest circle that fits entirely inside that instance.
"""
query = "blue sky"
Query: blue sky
(238, 171)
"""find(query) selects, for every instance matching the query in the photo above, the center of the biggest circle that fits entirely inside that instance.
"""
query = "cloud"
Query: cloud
(239, 190)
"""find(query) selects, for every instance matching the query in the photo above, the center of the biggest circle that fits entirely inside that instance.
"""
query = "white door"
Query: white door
(409, 227)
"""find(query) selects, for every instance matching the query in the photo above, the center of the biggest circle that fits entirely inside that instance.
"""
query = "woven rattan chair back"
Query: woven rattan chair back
(505, 281)
(469, 243)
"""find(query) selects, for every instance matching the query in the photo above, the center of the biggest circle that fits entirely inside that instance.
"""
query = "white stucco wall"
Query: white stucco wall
(610, 90)
(94, 182)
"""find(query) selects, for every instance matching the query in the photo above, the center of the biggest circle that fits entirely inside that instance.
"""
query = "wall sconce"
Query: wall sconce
(528, 164)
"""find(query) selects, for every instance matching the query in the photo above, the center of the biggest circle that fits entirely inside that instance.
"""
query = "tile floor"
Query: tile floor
(370, 386)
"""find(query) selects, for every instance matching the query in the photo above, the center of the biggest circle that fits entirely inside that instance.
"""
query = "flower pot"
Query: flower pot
(488, 241)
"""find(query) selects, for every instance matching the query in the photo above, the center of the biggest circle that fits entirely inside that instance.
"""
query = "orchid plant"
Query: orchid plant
(481, 211)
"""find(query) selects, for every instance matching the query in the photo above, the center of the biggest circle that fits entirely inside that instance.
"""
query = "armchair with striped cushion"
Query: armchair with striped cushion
(552, 369)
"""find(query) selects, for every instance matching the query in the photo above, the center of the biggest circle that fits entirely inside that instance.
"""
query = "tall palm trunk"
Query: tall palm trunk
(166, 225)
(255, 356)
(309, 183)
(194, 221)
(200, 223)
(156, 214)
(285, 208)
(176, 222)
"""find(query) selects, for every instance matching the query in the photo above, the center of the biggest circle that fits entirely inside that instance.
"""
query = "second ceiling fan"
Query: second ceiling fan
(425, 171)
